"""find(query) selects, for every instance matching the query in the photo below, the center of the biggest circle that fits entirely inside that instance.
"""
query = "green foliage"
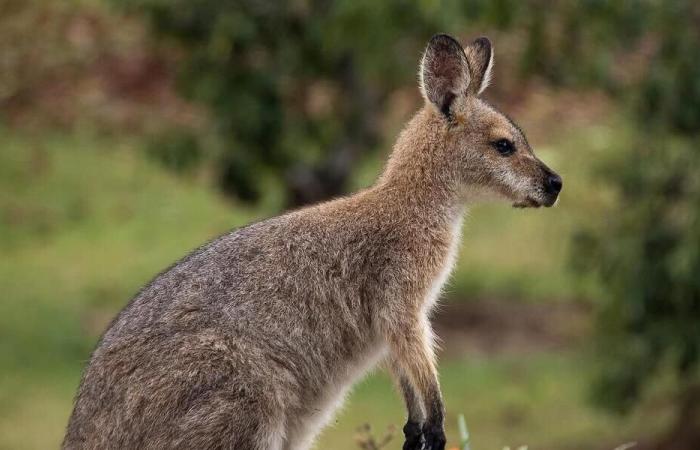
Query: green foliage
(648, 256)
(294, 88)
(178, 151)
(581, 41)
(648, 250)
(670, 93)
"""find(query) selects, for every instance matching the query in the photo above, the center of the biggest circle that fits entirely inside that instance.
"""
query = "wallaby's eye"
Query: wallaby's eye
(504, 147)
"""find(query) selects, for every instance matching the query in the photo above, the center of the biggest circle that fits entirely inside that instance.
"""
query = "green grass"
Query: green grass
(539, 401)
(85, 221)
(82, 228)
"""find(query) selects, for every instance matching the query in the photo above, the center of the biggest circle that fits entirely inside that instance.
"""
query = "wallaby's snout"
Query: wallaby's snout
(552, 187)
(543, 188)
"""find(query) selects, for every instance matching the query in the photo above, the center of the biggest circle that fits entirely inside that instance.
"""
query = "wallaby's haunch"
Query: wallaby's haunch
(252, 341)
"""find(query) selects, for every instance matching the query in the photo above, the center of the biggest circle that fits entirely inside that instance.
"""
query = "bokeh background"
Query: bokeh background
(131, 131)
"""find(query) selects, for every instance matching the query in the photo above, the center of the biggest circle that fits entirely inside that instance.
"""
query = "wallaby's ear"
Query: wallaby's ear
(444, 72)
(480, 57)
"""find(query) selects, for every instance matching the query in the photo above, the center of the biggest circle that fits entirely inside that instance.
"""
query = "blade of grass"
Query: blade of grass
(463, 433)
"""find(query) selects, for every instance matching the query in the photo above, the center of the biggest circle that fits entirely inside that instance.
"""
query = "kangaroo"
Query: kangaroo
(252, 341)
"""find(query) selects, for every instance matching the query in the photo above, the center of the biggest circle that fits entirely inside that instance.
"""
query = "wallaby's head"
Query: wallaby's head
(489, 152)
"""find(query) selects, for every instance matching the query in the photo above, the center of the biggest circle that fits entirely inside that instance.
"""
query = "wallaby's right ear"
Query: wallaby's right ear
(444, 72)
(480, 57)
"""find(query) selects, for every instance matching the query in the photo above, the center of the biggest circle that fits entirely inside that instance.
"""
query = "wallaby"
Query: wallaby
(252, 341)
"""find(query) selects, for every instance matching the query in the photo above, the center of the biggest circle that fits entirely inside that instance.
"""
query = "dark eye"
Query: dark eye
(504, 147)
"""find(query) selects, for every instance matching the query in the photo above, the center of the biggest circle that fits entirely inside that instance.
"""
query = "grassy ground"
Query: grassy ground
(85, 221)
(538, 400)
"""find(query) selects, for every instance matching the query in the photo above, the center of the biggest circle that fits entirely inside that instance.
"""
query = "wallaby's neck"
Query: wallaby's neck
(419, 178)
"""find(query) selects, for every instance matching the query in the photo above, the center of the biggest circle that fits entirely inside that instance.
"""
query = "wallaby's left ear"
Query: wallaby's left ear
(444, 72)
(480, 57)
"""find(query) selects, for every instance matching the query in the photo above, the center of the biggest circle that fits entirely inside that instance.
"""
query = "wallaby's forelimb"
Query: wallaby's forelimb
(411, 349)
(413, 429)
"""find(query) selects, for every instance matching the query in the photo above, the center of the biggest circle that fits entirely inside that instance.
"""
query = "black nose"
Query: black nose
(553, 184)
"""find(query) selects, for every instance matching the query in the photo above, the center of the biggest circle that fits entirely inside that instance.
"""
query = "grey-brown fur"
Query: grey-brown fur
(251, 341)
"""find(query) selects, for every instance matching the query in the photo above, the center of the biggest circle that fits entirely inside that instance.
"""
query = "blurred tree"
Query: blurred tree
(27, 62)
(648, 251)
(648, 255)
(296, 89)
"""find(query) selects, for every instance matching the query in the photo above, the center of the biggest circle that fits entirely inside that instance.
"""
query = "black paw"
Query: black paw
(434, 437)
(413, 432)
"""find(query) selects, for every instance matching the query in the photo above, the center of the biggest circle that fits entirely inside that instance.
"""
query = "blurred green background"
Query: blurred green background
(131, 131)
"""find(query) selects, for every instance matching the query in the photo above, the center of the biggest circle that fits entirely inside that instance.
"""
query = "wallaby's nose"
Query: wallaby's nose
(553, 184)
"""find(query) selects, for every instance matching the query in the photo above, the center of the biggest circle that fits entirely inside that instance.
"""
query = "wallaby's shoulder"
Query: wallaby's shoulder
(314, 229)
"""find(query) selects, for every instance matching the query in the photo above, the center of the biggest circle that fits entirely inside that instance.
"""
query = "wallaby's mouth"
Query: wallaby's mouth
(529, 202)
(546, 196)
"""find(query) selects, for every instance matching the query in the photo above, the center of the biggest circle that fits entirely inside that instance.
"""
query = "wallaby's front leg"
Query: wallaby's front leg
(412, 352)
(413, 429)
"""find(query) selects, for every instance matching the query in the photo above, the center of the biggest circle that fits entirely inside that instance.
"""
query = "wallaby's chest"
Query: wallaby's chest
(446, 262)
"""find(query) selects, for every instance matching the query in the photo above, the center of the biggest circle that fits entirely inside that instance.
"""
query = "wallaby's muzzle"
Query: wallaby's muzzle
(552, 186)
(546, 191)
